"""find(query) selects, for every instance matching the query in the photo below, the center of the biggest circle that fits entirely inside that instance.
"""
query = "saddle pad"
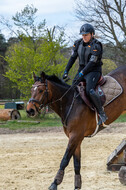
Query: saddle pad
(112, 89)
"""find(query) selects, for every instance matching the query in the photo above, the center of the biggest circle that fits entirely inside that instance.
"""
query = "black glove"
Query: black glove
(65, 75)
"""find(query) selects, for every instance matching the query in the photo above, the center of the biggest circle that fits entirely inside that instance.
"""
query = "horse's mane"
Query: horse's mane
(55, 79)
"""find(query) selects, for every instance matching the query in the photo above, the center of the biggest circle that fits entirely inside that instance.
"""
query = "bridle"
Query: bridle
(33, 101)
(41, 105)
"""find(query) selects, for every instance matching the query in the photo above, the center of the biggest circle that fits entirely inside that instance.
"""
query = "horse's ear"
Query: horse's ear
(34, 76)
(43, 76)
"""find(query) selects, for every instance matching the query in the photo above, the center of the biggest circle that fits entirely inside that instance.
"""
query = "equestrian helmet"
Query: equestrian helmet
(87, 28)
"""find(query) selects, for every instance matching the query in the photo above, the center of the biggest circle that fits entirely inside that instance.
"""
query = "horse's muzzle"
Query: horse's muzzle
(31, 112)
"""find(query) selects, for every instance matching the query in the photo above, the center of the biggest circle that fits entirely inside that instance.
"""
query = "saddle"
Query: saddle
(107, 88)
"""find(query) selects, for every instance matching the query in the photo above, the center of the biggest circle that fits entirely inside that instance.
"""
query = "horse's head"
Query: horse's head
(39, 95)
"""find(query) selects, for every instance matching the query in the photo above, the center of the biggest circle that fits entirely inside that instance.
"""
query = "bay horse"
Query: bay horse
(78, 119)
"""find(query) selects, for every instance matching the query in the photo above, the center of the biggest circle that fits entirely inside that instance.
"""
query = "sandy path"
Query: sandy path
(30, 161)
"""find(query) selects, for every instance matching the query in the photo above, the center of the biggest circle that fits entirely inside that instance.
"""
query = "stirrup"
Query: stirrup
(101, 120)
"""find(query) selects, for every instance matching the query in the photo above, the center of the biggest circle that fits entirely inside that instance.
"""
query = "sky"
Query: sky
(55, 12)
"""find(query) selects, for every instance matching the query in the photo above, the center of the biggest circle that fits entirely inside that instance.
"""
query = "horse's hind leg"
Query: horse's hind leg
(77, 166)
(72, 145)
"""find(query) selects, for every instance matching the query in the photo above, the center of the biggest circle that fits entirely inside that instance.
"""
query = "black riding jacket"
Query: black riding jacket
(89, 54)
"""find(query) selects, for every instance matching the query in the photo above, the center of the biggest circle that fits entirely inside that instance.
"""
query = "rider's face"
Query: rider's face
(87, 37)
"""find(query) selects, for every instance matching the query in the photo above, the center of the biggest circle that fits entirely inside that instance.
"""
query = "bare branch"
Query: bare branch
(6, 23)
(108, 18)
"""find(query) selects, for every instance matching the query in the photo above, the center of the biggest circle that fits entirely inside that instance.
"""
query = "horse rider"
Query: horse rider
(89, 50)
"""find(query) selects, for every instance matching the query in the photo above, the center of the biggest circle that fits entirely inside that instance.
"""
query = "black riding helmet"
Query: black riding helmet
(87, 28)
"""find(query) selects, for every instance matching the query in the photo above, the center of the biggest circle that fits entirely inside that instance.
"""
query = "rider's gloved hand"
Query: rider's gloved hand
(65, 75)
(81, 75)
(80, 78)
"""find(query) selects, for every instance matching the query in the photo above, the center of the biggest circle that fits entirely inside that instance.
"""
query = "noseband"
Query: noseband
(33, 101)
(41, 105)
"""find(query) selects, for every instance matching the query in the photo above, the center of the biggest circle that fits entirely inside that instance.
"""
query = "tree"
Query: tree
(109, 19)
(3, 45)
(108, 66)
(24, 22)
(6, 90)
(34, 52)
(3, 48)
(50, 54)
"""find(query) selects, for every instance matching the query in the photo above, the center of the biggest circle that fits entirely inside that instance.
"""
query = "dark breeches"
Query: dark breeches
(91, 80)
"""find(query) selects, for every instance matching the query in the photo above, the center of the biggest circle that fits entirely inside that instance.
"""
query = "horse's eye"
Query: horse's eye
(40, 91)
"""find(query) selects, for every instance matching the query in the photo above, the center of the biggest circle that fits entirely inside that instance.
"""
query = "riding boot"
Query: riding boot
(97, 103)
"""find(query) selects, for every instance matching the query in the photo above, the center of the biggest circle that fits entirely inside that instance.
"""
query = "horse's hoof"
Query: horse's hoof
(53, 187)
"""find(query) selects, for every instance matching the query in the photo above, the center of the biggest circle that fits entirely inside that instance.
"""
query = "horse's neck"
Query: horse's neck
(60, 99)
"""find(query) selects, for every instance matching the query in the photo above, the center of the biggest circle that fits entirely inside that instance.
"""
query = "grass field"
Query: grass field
(122, 118)
(49, 120)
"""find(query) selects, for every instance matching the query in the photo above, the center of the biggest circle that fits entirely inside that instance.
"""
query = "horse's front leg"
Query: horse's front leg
(77, 167)
(72, 145)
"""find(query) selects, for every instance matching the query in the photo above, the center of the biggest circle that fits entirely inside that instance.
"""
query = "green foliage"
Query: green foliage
(34, 52)
(48, 55)
(108, 66)
(1, 106)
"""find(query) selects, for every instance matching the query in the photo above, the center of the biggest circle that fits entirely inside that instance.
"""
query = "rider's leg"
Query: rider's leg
(97, 103)
(91, 82)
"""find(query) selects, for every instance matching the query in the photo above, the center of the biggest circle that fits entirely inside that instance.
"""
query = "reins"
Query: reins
(71, 106)
(60, 99)
(32, 100)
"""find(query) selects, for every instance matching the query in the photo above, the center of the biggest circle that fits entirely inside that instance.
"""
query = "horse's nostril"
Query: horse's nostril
(31, 112)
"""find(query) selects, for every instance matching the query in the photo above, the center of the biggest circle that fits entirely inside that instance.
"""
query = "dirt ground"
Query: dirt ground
(29, 161)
